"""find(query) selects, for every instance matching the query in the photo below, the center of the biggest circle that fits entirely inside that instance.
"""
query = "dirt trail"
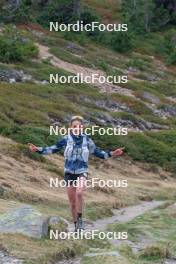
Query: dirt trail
(123, 215)
(120, 216)
(126, 214)
(110, 88)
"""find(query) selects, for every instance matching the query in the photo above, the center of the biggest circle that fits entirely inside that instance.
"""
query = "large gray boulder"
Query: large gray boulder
(25, 220)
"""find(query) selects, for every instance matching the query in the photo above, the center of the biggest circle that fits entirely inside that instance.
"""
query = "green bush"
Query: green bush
(14, 47)
(166, 47)
(142, 147)
(171, 58)
(121, 41)
(58, 10)
(88, 16)
(172, 166)
(27, 134)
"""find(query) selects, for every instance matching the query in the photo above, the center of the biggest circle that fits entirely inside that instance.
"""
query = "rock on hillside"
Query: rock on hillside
(12, 76)
(5, 258)
(25, 220)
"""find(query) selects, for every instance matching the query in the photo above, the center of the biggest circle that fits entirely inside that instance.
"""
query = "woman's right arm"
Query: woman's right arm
(48, 150)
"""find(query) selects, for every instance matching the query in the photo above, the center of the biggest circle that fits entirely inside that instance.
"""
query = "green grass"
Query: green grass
(42, 251)
(63, 54)
(143, 147)
(156, 226)
(34, 107)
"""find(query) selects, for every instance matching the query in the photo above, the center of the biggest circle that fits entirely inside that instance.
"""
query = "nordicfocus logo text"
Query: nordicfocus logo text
(90, 27)
(88, 79)
(92, 183)
(89, 234)
(89, 131)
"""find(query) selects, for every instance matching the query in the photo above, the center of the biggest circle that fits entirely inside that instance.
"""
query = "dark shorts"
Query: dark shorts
(72, 178)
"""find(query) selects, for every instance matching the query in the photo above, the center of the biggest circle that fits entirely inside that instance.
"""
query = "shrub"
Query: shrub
(14, 47)
(88, 16)
(58, 10)
(155, 252)
(172, 167)
(121, 41)
(167, 47)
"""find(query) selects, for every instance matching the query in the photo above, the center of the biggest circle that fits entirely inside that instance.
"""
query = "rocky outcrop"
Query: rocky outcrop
(108, 105)
(25, 220)
(12, 76)
(137, 124)
(170, 110)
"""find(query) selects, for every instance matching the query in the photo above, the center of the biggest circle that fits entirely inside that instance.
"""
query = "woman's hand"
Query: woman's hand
(32, 147)
(117, 152)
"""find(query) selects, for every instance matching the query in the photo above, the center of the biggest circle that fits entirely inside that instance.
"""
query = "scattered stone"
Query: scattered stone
(173, 207)
(74, 48)
(170, 109)
(108, 105)
(44, 82)
(152, 78)
(13, 76)
(170, 261)
(5, 258)
(164, 112)
(110, 253)
(173, 99)
(150, 97)
(54, 220)
(69, 261)
(145, 125)
(132, 70)
(136, 124)
(25, 220)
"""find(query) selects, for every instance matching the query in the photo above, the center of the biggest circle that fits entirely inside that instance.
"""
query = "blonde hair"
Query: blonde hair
(76, 118)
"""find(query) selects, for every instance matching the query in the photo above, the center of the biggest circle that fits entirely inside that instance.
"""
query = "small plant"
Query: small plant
(14, 47)
(167, 47)
(173, 167)
(121, 41)
(155, 252)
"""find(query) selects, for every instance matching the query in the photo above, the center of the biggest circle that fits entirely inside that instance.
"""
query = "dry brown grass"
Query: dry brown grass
(28, 181)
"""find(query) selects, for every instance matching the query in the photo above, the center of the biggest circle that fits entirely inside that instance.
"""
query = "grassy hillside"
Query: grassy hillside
(26, 181)
(150, 105)
(146, 105)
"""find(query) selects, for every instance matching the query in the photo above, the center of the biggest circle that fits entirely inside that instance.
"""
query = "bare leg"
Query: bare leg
(79, 193)
(71, 192)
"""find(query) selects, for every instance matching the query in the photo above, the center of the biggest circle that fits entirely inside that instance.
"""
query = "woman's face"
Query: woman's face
(77, 127)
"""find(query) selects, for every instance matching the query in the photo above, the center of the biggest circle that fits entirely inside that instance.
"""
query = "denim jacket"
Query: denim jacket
(77, 150)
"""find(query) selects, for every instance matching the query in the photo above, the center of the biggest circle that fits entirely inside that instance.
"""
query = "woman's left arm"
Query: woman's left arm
(101, 153)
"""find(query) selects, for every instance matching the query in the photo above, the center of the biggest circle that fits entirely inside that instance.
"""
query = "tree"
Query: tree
(139, 14)
(145, 16)
(77, 8)
(167, 4)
